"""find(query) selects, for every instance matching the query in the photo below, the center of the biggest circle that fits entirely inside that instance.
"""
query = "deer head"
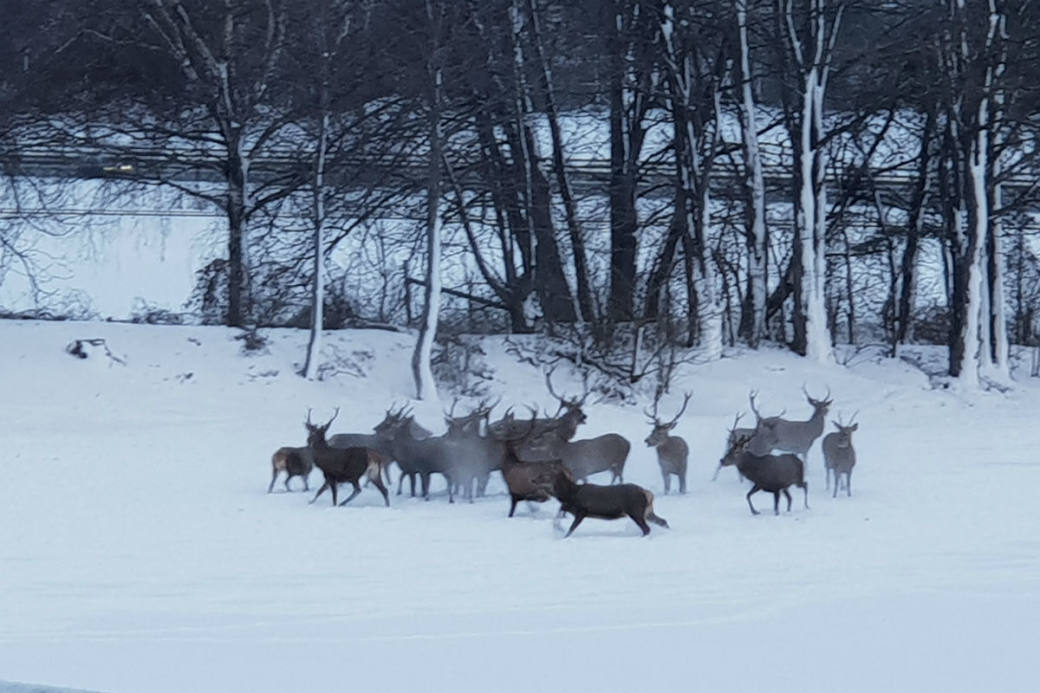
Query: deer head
(845, 430)
(569, 407)
(660, 430)
(820, 406)
(316, 432)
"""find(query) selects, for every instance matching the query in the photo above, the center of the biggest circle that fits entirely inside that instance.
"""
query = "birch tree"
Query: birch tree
(754, 326)
(422, 372)
(809, 29)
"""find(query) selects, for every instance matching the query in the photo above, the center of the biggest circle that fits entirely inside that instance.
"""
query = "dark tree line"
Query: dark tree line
(771, 169)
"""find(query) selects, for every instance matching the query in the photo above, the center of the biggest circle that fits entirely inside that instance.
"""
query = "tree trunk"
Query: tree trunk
(586, 302)
(422, 372)
(754, 327)
(238, 309)
(310, 369)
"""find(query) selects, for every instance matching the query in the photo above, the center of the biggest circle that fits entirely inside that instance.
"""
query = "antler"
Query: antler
(682, 409)
(309, 417)
(736, 420)
(548, 384)
(329, 423)
(826, 397)
(751, 398)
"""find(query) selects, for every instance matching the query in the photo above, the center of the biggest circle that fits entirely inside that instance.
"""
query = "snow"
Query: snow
(141, 552)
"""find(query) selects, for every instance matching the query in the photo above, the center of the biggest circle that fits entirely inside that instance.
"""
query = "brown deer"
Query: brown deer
(294, 462)
(771, 473)
(548, 433)
(605, 502)
(343, 465)
(838, 454)
(526, 481)
(672, 451)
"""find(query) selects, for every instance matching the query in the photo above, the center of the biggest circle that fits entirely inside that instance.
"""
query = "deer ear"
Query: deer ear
(854, 427)
(836, 425)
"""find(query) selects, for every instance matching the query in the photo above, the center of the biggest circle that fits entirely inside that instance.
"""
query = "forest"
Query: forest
(632, 176)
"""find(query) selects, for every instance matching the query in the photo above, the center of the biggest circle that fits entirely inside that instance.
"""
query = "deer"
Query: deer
(384, 433)
(767, 472)
(418, 456)
(294, 462)
(549, 432)
(476, 455)
(525, 481)
(343, 465)
(605, 502)
(798, 436)
(735, 433)
(672, 451)
(838, 454)
(605, 453)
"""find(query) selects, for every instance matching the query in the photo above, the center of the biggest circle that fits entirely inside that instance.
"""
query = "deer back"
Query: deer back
(592, 455)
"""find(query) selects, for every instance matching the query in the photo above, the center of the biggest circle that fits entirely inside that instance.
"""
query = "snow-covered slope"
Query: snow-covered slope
(140, 551)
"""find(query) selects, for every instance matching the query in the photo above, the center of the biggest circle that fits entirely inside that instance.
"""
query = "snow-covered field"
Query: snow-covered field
(140, 551)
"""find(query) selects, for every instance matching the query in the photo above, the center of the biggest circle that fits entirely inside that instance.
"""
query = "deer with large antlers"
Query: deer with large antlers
(798, 436)
(672, 451)
(737, 432)
(839, 457)
(770, 473)
(343, 465)
(548, 433)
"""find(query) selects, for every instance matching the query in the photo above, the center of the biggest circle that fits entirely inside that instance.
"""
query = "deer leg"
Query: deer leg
(776, 502)
(682, 482)
(400, 482)
(274, 477)
(837, 483)
(641, 522)
(320, 491)
(788, 497)
(512, 506)
(805, 487)
(287, 478)
(578, 517)
(667, 481)
(848, 484)
(334, 485)
(754, 489)
(716, 474)
(306, 486)
(357, 490)
(378, 483)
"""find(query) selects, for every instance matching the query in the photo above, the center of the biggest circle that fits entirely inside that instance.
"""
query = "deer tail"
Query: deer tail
(374, 471)
(279, 460)
(650, 516)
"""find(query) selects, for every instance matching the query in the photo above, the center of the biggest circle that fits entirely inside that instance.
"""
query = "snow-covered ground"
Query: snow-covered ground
(140, 551)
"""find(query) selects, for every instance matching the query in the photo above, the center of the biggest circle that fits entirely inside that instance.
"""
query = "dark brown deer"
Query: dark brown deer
(294, 462)
(525, 481)
(343, 465)
(605, 502)
(839, 456)
(771, 473)
(735, 432)
(672, 451)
